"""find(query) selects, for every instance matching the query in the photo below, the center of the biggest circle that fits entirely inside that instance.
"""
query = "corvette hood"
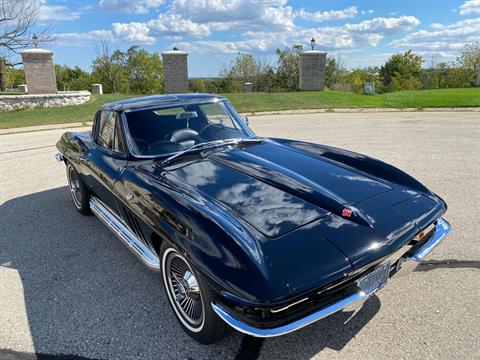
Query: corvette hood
(275, 188)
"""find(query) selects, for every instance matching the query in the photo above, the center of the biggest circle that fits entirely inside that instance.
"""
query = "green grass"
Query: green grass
(256, 102)
(433, 98)
(58, 115)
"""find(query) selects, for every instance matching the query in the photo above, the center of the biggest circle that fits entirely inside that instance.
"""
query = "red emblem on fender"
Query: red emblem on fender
(346, 212)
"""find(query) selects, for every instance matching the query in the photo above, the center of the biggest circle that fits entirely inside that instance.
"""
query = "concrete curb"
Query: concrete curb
(44, 128)
(363, 110)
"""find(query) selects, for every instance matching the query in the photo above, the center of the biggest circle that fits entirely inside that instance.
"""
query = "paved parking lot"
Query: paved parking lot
(67, 286)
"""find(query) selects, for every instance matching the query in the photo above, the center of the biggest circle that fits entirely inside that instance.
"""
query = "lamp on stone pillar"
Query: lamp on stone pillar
(35, 40)
(312, 43)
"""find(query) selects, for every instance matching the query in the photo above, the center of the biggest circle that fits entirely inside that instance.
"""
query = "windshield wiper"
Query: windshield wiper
(209, 145)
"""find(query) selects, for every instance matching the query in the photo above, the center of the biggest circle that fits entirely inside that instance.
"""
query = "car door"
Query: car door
(107, 156)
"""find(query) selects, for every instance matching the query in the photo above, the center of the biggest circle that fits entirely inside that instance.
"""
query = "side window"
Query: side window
(118, 143)
(105, 129)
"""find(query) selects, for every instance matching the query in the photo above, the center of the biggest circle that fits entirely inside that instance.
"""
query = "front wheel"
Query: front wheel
(190, 298)
(78, 191)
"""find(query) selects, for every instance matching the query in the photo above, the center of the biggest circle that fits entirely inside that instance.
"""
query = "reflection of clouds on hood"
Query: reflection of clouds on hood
(335, 222)
(361, 179)
(270, 210)
(201, 174)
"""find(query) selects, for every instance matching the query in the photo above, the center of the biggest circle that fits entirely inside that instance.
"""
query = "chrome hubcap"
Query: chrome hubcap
(184, 289)
(74, 183)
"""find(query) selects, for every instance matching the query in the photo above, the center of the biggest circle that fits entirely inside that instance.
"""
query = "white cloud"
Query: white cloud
(319, 16)
(130, 6)
(203, 11)
(132, 32)
(174, 25)
(278, 18)
(445, 38)
(199, 18)
(383, 25)
(236, 14)
(349, 36)
(47, 13)
(470, 7)
(437, 26)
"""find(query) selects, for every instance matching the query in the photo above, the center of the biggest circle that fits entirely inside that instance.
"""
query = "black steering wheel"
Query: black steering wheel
(209, 125)
(142, 145)
(185, 137)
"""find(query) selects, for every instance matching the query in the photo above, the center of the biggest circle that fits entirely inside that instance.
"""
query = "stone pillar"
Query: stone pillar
(97, 89)
(175, 72)
(312, 70)
(22, 88)
(39, 71)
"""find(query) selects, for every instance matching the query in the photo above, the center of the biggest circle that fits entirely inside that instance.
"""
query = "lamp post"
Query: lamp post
(35, 40)
(312, 43)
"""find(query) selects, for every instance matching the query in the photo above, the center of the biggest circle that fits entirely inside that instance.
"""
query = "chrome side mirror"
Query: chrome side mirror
(245, 118)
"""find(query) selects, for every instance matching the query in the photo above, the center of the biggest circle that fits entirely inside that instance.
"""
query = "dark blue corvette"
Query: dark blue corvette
(265, 235)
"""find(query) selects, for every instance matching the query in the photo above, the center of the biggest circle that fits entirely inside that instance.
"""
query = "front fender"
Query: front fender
(222, 248)
(72, 145)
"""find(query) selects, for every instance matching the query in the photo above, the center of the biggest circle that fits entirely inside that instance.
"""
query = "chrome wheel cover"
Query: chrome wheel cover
(183, 290)
(74, 184)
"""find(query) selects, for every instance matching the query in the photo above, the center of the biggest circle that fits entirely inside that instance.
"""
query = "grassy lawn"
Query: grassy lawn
(255, 102)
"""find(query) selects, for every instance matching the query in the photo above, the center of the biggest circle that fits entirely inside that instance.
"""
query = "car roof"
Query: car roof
(163, 100)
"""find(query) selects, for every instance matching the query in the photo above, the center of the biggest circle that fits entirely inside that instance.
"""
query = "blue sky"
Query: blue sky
(363, 33)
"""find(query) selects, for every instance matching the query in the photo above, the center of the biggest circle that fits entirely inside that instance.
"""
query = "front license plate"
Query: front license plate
(375, 280)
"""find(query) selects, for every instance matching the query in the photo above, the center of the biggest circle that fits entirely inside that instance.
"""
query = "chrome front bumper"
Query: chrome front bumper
(442, 229)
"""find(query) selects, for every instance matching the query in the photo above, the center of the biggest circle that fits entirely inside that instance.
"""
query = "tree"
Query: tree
(402, 72)
(470, 59)
(245, 68)
(72, 78)
(287, 70)
(242, 70)
(109, 70)
(13, 77)
(144, 71)
(17, 18)
(136, 70)
(197, 85)
(335, 71)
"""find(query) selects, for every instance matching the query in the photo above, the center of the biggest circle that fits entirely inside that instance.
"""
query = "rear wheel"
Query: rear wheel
(78, 191)
(190, 297)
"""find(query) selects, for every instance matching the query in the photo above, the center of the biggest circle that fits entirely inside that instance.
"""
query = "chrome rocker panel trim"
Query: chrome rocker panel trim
(130, 240)
(442, 229)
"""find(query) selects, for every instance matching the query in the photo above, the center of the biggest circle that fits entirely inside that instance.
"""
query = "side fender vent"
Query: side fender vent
(134, 224)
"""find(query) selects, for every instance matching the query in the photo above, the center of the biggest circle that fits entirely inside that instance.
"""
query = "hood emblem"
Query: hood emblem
(346, 212)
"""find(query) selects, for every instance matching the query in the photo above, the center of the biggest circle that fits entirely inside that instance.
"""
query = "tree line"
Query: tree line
(137, 71)
(402, 71)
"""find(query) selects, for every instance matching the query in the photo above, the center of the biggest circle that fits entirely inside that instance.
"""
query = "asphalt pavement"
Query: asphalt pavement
(70, 289)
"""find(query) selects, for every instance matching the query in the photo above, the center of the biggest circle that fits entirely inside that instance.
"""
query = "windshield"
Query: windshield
(167, 130)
